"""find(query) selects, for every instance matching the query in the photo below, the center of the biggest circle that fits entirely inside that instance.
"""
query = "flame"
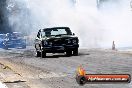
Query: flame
(81, 71)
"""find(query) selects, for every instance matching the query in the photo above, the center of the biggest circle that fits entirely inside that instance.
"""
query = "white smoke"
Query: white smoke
(95, 27)
(80, 16)
(18, 15)
(116, 18)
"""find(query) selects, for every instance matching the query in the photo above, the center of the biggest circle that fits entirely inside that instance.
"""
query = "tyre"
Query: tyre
(43, 54)
(75, 52)
(5, 47)
(38, 54)
(24, 46)
(68, 53)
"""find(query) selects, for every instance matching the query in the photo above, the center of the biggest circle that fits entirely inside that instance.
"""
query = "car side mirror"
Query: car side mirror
(38, 36)
(73, 34)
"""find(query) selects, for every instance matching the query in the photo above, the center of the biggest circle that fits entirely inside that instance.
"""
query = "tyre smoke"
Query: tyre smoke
(96, 25)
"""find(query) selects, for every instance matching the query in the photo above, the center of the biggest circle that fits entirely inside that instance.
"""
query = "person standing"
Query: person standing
(113, 45)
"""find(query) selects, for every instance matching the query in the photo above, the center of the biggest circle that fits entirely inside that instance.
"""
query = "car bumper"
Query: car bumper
(15, 45)
(59, 49)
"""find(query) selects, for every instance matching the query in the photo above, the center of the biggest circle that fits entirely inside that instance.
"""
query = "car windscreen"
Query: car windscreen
(15, 36)
(55, 31)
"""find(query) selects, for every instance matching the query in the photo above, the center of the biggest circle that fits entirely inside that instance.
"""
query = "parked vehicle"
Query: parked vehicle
(2, 38)
(14, 40)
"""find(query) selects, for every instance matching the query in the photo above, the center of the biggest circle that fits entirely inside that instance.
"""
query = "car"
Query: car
(2, 38)
(14, 40)
(56, 40)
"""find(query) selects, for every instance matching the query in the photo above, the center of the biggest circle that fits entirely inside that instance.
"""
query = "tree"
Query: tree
(4, 24)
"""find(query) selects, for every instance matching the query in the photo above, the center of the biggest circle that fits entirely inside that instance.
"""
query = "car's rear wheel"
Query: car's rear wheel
(5, 47)
(68, 53)
(75, 52)
(43, 54)
(24, 46)
(38, 54)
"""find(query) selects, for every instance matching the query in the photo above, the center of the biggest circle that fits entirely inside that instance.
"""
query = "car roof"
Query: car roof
(55, 28)
(14, 33)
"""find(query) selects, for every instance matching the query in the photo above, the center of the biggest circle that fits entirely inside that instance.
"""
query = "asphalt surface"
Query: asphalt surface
(22, 69)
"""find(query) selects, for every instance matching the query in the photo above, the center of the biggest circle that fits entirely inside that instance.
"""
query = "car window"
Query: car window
(62, 31)
(55, 31)
(43, 33)
(15, 36)
(58, 32)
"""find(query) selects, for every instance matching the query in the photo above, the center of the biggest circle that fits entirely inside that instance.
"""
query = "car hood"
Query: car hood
(15, 40)
(60, 37)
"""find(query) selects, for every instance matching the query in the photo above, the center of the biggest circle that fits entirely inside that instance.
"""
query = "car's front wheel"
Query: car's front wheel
(68, 53)
(75, 52)
(5, 47)
(43, 54)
